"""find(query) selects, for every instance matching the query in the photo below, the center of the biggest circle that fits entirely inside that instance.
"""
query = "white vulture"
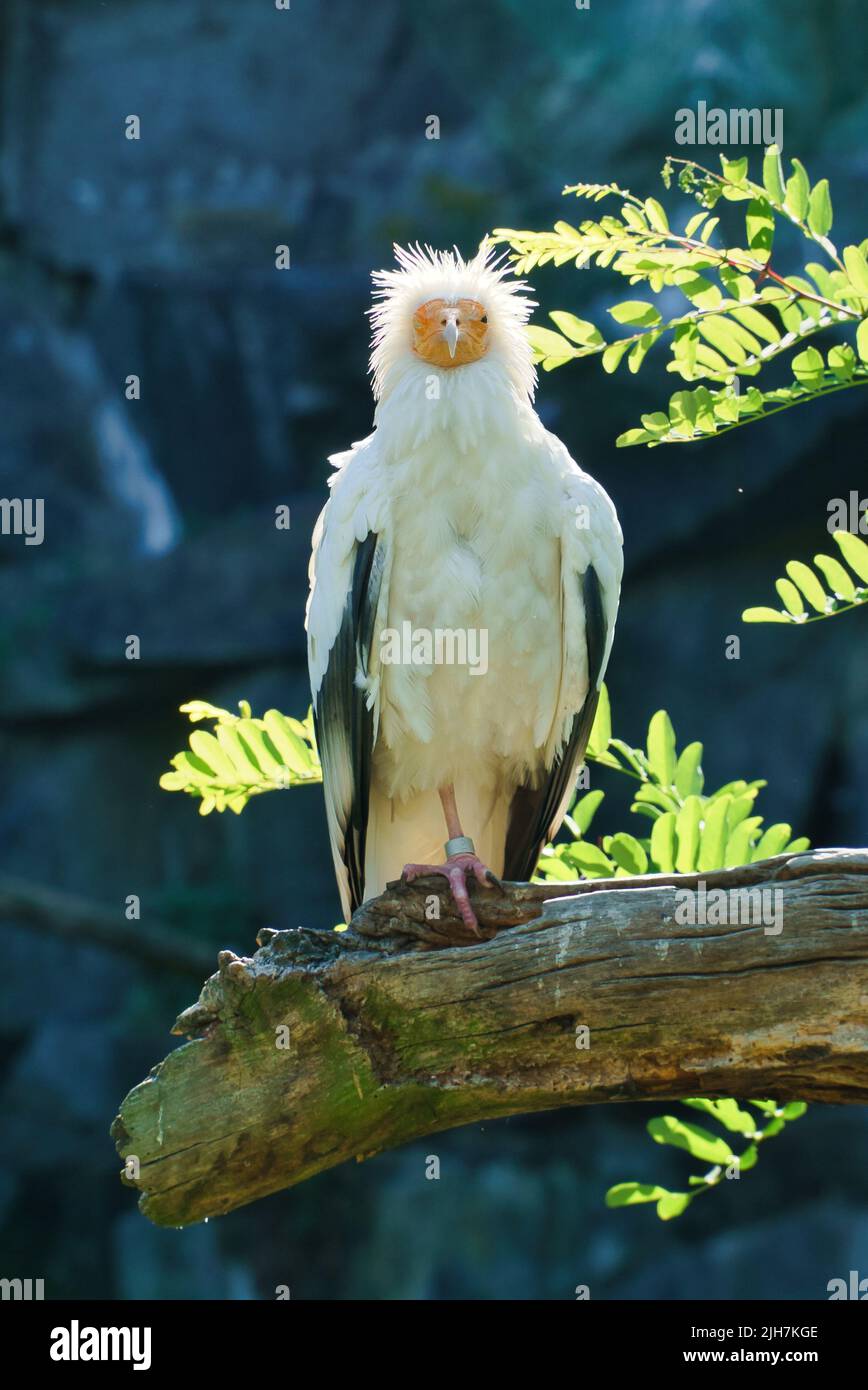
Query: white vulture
(465, 579)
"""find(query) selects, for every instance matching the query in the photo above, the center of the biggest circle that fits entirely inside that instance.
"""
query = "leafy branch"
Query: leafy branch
(242, 757)
(741, 312)
(707, 1148)
(690, 830)
(845, 591)
(245, 756)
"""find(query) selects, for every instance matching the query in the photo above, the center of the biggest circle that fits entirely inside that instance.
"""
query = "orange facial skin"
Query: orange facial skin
(450, 335)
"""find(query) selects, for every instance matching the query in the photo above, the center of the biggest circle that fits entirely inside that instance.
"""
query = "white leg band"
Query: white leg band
(462, 844)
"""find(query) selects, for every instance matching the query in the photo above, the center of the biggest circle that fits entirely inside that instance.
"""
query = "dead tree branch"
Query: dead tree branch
(84, 923)
(324, 1047)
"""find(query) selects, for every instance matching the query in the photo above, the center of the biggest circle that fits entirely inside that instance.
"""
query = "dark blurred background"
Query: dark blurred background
(155, 258)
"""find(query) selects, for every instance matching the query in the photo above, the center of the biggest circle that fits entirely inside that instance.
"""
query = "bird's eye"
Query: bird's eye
(457, 323)
(484, 319)
(443, 323)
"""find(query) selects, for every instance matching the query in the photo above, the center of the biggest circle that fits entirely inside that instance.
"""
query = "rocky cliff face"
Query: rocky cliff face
(154, 258)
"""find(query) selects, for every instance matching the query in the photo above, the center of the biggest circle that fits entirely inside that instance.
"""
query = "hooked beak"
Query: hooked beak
(451, 333)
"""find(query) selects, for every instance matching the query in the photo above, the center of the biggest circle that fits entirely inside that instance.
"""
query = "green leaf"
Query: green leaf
(798, 846)
(634, 218)
(552, 867)
(763, 615)
(729, 1113)
(794, 1110)
(760, 228)
(773, 178)
(640, 350)
(820, 209)
(773, 841)
(629, 1194)
(701, 292)
(200, 709)
(822, 279)
(836, 577)
(266, 755)
(193, 770)
(747, 1158)
(862, 340)
(627, 853)
(805, 579)
(687, 830)
(637, 313)
(842, 361)
(682, 413)
(601, 731)
(673, 1204)
(585, 809)
(718, 330)
(633, 757)
(689, 779)
(661, 748)
(774, 1127)
(698, 1142)
(287, 742)
(591, 860)
(173, 782)
(664, 843)
(740, 842)
(631, 437)
(613, 354)
(739, 808)
(656, 215)
(578, 330)
(684, 345)
(734, 170)
(808, 367)
(736, 283)
(695, 223)
(658, 798)
(712, 845)
(790, 597)
(855, 552)
(550, 348)
(206, 747)
(757, 322)
(239, 755)
(857, 268)
(656, 423)
(798, 190)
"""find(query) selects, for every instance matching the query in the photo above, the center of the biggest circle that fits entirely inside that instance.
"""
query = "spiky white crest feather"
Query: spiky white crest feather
(425, 274)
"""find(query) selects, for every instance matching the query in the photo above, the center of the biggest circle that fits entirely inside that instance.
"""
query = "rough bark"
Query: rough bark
(404, 1026)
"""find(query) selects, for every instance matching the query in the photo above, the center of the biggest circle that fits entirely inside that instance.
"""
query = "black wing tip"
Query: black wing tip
(342, 704)
(533, 813)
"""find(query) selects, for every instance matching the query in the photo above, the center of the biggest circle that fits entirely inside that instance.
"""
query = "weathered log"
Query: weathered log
(324, 1047)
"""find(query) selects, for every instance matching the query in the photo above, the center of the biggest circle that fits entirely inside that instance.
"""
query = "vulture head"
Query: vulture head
(438, 312)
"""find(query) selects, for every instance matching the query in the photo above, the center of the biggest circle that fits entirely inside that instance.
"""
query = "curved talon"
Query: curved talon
(454, 871)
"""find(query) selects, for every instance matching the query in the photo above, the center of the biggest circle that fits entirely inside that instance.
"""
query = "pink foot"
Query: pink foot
(454, 870)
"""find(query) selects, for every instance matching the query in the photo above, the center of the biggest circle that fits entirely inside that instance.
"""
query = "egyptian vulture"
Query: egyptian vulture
(464, 584)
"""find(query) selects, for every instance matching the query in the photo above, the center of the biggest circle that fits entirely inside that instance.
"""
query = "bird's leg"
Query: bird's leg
(457, 865)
